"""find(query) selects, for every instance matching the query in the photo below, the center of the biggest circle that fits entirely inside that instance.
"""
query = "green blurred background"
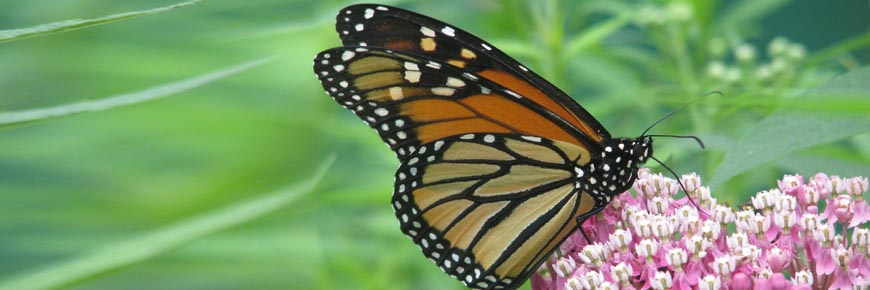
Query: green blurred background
(73, 186)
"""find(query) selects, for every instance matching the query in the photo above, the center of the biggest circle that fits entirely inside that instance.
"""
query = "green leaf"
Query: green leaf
(160, 241)
(19, 117)
(787, 129)
(72, 24)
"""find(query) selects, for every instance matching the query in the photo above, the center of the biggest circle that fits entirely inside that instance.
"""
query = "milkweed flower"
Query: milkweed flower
(807, 233)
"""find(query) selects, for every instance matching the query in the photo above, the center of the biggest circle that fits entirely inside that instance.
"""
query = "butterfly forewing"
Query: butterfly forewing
(489, 208)
(412, 101)
(401, 30)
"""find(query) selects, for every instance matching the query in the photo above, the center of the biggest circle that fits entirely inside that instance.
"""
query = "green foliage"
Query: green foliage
(132, 189)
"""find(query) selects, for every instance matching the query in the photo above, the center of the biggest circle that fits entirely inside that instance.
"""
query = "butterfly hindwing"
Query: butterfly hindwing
(489, 208)
(392, 28)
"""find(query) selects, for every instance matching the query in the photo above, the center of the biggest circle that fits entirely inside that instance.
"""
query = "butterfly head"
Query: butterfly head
(642, 147)
(618, 165)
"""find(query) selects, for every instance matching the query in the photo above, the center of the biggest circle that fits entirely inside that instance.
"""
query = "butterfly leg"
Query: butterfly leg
(580, 220)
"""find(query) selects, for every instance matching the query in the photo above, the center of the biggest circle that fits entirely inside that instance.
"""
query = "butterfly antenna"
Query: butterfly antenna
(692, 200)
(679, 109)
(700, 143)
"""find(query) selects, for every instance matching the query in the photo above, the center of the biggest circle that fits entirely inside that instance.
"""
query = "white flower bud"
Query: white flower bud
(745, 52)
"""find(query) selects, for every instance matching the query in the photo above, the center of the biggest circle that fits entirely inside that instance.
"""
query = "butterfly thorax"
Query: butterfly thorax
(615, 169)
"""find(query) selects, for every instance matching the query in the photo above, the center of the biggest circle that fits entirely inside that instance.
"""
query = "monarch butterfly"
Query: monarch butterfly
(498, 166)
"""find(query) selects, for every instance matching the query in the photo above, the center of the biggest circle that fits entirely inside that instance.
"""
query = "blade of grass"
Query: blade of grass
(18, 117)
(594, 34)
(72, 24)
(852, 44)
(160, 241)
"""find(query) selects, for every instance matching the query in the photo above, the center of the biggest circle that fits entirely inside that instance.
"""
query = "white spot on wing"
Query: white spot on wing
(442, 91)
(359, 27)
(381, 112)
(448, 31)
(412, 76)
(532, 138)
(369, 13)
(347, 55)
(396, 93)
(427, 32)
(454, 82)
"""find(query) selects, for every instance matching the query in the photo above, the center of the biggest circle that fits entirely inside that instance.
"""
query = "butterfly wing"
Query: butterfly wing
(488, 148)
(402, 30)
(412, 100)
(490, 208)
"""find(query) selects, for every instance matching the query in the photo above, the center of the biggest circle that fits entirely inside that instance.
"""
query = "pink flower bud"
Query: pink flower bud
(810, 222)
(824, 234)
(842, 256)
(759, 224)
(838, 184)
(861, 237)
(591, 280)
(856, 185)
(607, 286)
(810, 196)
(703, 194)
(822, 184)
(661, 281)
(622, 272)
(643, 227)
(741, 281)
(724, 265)
(785, 203)
(790, 182)
(778, 259)
(710, 230)
(565, 266)
(691, 181)
(778, 282)
(646, 248)
(663, 229)
(573, 283)
(723, 214)
(737, 240)
(785, 219)
(804, 277)
(644, 188)
(843, 208)
(761, 284)
(594, 254)
(686, 211)
(619, 240)
(697, 246)
(676, 257)
(709, 282)
(658, 204)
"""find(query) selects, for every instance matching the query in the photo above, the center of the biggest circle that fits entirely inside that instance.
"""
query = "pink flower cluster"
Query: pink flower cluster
(802, 235)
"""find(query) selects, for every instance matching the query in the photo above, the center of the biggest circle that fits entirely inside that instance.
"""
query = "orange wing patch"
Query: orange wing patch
(522, 87)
